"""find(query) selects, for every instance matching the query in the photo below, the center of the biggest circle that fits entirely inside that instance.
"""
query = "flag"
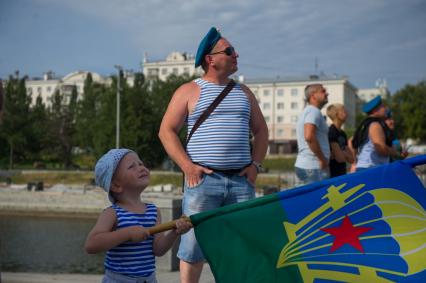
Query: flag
(368, 226)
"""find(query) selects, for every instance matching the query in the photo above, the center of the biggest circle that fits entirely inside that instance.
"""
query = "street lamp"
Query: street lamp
(117, 135)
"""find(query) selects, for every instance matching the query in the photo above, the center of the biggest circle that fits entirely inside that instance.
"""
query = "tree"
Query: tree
(16, 122)
(87, 111)
(38, 136)
(408, 105)
(62, 117)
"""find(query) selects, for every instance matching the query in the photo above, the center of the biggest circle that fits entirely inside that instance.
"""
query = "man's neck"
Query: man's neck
(216, 78)
(314, 104)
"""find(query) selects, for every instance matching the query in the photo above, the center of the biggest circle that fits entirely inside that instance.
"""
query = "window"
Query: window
(48, 89)
(280, 92)
(280, 132)
(280, 105)
(39, 90)
(266, 92)
(294, 105)
(152, 72)
(293, 132)
(164, 71)
(30, 91)
(175, 71)
(186, 70)
(280, 119)
(294, 92)
(267, 119)
(294, 118)
(266, 105)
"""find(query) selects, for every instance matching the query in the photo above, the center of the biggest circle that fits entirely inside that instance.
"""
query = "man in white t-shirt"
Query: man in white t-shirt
(312, 137)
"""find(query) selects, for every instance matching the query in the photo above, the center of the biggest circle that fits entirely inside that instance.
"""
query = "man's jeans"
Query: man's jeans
(307, 176)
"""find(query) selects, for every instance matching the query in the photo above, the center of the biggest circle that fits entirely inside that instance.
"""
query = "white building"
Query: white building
(366, 94)
(48, 85)
(282, 101)
(176, 63)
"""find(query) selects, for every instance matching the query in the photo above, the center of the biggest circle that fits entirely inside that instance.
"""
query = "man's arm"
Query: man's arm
(309, 131)
(172, 122)
(377, 137)
(341, 155)
(260, 135)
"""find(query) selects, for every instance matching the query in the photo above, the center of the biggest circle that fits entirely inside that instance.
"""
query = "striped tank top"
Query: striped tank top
(133, 259)
(222, 140)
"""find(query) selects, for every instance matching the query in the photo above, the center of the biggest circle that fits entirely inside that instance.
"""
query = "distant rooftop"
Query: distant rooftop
(289, 79)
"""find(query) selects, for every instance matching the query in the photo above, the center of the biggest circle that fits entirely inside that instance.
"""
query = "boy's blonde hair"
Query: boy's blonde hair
(333, 109)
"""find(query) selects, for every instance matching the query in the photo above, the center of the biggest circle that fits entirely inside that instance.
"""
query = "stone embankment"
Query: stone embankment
(75, 200)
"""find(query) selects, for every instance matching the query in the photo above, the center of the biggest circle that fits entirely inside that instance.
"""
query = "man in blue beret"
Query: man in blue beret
(372, 141)
(218, 165)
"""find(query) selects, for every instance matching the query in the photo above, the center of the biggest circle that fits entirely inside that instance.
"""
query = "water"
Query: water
(46, 244)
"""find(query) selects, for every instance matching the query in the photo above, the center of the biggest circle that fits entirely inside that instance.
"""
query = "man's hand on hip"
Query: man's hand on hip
(251, 173)
(194, 173)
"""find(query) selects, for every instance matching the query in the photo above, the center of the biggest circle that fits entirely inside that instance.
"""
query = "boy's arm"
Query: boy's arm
(102, 237)
(164, 241)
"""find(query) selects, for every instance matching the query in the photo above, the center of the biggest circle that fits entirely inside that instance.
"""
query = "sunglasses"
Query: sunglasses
(228, 51)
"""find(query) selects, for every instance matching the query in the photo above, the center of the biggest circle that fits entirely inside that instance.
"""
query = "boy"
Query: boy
(121, 229)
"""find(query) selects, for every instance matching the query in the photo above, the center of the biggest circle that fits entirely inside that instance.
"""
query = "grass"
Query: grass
(280, 164)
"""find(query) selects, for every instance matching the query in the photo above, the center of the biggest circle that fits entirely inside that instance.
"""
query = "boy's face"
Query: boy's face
(131, 172)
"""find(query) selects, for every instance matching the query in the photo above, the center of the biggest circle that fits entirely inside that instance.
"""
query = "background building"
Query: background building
(176, 63)
(366, 94)
(282, 100)
(49, 84)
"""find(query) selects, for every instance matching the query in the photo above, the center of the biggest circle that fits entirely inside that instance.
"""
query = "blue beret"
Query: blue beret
(370, 105)
(206, 45)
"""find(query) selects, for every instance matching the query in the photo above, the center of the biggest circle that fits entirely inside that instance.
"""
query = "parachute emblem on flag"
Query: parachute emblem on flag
(393, 246)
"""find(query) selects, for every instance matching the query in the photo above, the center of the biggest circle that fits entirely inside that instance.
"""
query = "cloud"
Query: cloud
(272, 37)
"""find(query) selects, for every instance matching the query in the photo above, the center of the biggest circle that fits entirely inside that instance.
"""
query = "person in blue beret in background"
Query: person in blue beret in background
(218, 164)
(372, 141)
(396, 144)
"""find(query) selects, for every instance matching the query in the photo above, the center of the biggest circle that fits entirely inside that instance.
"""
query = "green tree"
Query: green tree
(38, 136)
(408, 105)
(16, 122)
(87, 112)
(62, 116)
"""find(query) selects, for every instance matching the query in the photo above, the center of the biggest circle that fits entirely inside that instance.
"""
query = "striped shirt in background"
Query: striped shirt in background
(133, 259)
(222, 140)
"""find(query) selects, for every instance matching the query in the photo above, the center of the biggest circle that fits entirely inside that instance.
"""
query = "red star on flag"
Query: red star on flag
(346, 234)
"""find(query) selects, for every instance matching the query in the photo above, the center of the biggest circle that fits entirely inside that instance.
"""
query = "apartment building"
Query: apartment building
(282, 100)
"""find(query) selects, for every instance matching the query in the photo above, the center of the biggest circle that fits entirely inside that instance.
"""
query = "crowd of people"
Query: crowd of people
(325, 152)
(227, 140)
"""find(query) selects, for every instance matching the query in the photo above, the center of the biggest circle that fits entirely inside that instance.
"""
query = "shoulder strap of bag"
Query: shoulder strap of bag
(210, 109)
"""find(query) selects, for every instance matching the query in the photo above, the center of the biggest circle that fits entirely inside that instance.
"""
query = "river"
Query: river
(47, 245)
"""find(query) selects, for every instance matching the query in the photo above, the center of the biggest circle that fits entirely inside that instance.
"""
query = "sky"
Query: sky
(365, 40)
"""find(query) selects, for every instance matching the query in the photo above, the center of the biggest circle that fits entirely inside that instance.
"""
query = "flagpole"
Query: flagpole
(166, 226)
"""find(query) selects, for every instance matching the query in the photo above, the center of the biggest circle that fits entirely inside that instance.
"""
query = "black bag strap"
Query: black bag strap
(210, 109)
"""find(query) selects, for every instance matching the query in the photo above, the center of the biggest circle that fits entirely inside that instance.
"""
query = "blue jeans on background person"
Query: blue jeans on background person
(213, 191)
(307, 176)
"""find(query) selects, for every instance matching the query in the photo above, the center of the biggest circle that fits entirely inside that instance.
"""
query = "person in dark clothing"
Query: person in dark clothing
(340, 153)
(396, 144)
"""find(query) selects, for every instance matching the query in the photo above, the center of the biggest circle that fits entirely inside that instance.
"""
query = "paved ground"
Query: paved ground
(162, 277)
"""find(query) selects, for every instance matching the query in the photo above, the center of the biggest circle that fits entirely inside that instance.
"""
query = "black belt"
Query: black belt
(226, 171)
